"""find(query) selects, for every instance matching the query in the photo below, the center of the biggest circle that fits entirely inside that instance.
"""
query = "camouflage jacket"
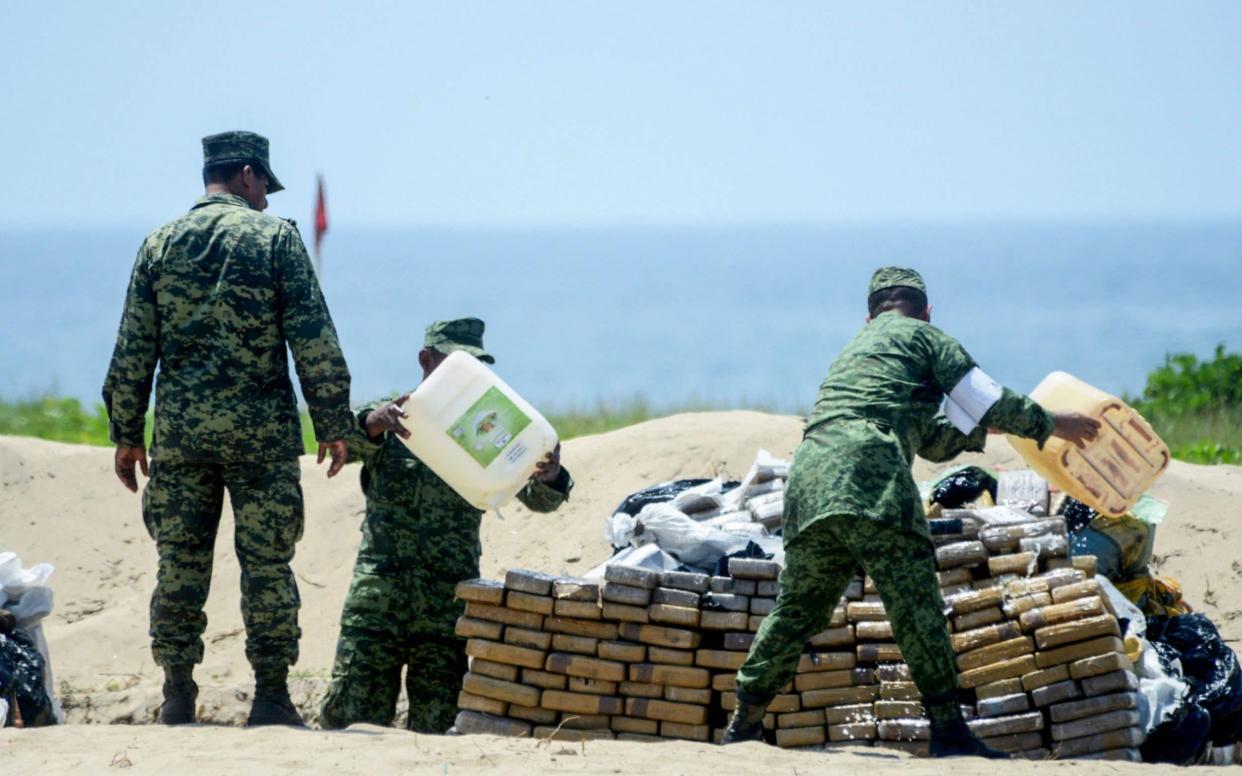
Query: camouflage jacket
(878, 408)
(414, 519)
(213, 299)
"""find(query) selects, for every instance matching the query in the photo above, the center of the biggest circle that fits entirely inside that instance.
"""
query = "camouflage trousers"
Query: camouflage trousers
(181, 507)
(397, 615)
(819, 564)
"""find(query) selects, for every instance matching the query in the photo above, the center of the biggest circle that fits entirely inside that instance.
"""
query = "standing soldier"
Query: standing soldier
(213, 299)
(851, 501)
(419, 539)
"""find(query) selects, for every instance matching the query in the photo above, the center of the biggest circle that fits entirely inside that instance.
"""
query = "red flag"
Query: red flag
(321, 215)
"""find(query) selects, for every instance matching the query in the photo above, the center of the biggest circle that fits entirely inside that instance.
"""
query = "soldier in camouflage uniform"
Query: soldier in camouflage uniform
(851, 501)
(419, 539)
(214, 298)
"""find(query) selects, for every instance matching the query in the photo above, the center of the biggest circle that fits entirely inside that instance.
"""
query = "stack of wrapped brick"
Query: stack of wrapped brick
(647, 654)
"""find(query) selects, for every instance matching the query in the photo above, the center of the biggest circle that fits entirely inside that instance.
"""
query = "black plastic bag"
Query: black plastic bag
(962, 487)
(21, 677)
(658, 494)
(752, 551)
(1209, 666)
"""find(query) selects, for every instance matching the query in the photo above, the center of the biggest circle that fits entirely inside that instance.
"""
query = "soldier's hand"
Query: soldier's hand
(549, 469)
(388, 418)
(124, 461)
(1075, 427)
(340, 454)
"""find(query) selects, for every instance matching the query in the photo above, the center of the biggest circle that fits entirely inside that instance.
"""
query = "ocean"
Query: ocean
(725, 316)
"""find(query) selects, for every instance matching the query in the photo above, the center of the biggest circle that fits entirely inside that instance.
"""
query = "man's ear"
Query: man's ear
(867, 319)
(424, 359)
(926, 316)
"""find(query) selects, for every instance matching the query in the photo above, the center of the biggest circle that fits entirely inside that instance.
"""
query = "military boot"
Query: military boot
(180, 694)
(746, 724)
(950, 735)
(272, 705)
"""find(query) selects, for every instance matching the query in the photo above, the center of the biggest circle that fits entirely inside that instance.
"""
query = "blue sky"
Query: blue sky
(585, 113)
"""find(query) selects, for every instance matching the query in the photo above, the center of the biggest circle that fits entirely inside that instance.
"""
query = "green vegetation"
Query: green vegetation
(1196, 406)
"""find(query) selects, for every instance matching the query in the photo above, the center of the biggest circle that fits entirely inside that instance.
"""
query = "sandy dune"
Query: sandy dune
(61, 504)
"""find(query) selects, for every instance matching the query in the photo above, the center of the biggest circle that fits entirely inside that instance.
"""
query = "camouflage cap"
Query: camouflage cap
(464, 334)
(240, 146)
(887, 277)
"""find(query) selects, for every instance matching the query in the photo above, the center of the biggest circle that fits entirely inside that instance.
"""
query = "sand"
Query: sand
(62, 504)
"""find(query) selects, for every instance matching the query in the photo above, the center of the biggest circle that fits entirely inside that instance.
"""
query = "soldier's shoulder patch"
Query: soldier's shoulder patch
(290, 222)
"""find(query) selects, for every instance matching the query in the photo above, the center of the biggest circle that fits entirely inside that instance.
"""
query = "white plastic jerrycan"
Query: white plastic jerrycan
(1111, 473)
(475, 432)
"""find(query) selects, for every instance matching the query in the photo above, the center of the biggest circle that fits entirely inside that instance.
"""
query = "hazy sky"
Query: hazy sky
(547, 113)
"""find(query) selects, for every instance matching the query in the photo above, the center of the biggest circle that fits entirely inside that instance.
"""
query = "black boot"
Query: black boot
(180, 694)
(746, 724)
(953, 738)
(272, 705)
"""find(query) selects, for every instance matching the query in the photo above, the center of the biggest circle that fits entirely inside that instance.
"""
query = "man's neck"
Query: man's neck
(219, 188)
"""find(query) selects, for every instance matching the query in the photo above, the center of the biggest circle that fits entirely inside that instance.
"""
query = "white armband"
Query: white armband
(971, 399)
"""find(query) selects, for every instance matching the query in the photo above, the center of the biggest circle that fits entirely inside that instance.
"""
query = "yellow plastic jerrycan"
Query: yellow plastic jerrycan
(477, 434)
(1112, 472)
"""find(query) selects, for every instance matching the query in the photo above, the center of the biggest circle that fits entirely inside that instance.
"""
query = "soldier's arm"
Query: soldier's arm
(941, 441)
(973, 399)
(547, 496)
(127, 387)
(363, 446)
(307, 327)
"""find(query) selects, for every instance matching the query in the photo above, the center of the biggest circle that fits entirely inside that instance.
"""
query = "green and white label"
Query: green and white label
(488, 426)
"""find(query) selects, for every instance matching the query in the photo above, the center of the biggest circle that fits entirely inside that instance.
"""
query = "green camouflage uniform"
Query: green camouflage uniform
(419, 539)
(213, 299)
(851, 501)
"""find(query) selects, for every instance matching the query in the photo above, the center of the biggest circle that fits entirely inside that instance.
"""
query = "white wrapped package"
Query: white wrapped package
(694, 543)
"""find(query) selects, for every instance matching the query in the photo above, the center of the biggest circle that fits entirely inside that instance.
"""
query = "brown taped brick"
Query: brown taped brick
(1100, 723)
(724, 682)
(1004, 705)
(862, 611)
(1030, 722)
(1091, 707)
(840, 696)
(976, 600)
(580, 703)
(470, 702)
(641, 690)
(701, 696)
(893, 672)
(678, 676)
(824, 680)
(659, 635)
(632, 576)
(853, 731)
(1056, 693)
(985, 636)
(680, 616)
(951, 577)
(500, 671)
(484, 591)
(739, 642)
(719, 659)
(625, 613)
(1006, 669)
(585, 721)
(666, 711)
(753, 568)
(532, 714)
(480, 611)
(753, 621)
(577, 589)
(591, 686)
(826, 661)
(583, 645)
(900, 691)
(580, 610)
(1079, 630)
(604, 631)
(874, 630)
(475, 723)
(527, 581)
(978, 619)
(540, 678)
(961, 554)
(623, 651)
(624, 724)
(1100, 664)
(1044, 676)
(844, 715)
(1100, 742)
(1079, 650)
(998, 688)
(525, 602)
(685, 580)
(674, 597)
(790, 738)
(496, 689)
(797, 719)
(1114, 681)
(879, 653)
(1016, 743)
(1058, 613)
(1083, 589)
(670, 729)
(470, 628)
(670, 657)
(590, 667)
(624, 594)
(1015, 606)
(709, 620)
(898, 710)
(995, 653)
(522, 637)
(505, 653)
(903, 730)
